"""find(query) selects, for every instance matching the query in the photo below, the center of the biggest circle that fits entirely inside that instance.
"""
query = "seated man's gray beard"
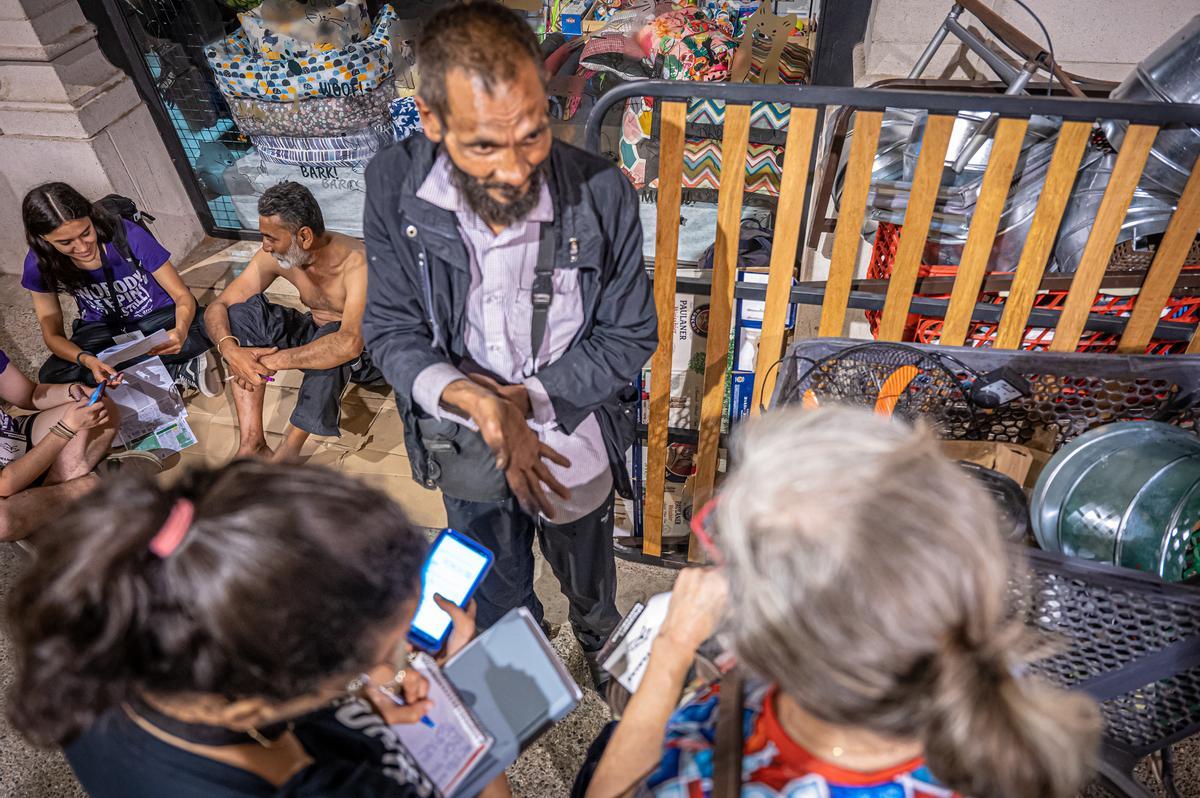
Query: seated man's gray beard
(513, 209)
(295, 257)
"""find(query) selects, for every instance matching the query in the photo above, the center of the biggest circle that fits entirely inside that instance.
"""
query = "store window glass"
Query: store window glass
(259, 92)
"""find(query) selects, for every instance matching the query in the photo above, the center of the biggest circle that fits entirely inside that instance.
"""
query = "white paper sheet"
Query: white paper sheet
(627, 662)
(149, 405)
(128, 350)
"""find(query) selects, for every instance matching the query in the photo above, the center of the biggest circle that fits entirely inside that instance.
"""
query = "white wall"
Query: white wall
(67, 114)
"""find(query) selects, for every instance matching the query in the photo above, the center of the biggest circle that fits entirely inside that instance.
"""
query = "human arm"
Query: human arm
(21, 473)
(625, 331)
(518, 451)
(411, 351)
(50, 320)
(342, 346)
(20, 391)
(185, 308)
(697, 601)
(258, 275)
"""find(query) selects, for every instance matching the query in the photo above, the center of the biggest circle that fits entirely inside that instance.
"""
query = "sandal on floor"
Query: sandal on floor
(130, 461)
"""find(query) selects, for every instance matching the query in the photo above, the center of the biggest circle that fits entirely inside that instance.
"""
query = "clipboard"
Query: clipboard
(514, 683)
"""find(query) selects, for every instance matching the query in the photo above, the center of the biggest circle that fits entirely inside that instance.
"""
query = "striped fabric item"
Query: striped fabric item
(795, 63)
(348, 150)
(702, 166)
(712, 112)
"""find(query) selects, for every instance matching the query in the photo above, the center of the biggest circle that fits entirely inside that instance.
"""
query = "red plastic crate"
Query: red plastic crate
(928, 329)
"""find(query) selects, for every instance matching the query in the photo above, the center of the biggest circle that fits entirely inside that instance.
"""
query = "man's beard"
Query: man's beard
(498, 213)
(295, 257)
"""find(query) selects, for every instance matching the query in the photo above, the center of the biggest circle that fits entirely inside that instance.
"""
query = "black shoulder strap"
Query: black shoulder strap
(727, 748)
(121, 241)
(543, 290)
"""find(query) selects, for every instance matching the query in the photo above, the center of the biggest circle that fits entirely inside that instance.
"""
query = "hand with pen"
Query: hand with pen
(245, 364)
(402, 697)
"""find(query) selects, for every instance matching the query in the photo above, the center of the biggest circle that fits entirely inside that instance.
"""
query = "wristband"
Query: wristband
(225, 338)
(63, 431)
(79, 357)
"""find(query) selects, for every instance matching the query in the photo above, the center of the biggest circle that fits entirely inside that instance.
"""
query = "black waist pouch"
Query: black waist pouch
(460, 462)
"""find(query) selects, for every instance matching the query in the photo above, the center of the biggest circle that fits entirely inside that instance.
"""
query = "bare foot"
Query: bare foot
(258, 450)
(285, 454)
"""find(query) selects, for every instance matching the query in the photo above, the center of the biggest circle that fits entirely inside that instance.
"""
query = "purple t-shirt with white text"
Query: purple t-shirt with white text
(138, 294)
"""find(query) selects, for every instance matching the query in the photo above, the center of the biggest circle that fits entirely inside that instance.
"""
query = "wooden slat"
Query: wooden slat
(1194, 345)
(666, 259)
(1135, 148)
(921, 200)
(1006, 149)
(720, 309)
(848, 234)
(1042, 232)
(802, 124)
(1164, 271)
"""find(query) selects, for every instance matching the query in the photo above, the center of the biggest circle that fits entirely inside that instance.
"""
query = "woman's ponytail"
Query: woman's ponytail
(79, 617)
(129, 595)
(991, 733)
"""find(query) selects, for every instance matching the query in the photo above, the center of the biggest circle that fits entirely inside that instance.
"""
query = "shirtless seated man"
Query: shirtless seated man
(258, 338)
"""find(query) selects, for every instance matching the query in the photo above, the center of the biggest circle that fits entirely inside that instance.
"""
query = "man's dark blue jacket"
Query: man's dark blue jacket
(420, 274)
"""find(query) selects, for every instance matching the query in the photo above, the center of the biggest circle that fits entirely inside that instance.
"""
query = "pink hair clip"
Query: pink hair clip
(174, 529)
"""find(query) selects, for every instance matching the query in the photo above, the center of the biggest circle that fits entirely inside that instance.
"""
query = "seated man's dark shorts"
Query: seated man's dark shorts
(259, 323)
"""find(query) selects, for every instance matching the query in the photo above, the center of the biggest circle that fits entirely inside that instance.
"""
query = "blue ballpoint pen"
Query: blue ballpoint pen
(399, 700)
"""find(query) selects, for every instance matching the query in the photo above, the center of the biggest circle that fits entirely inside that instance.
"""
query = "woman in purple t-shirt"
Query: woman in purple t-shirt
(72, 252)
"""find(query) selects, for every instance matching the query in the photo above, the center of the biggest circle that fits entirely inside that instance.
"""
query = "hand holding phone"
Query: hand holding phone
(455, 567)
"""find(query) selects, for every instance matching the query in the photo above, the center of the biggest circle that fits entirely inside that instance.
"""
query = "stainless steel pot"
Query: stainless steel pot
(1126, 494)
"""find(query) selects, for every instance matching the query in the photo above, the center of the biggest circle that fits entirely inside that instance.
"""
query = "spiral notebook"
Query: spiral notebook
(448, 749)
(513, 681)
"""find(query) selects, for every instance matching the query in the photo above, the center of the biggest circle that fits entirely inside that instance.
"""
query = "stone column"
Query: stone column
(67, 114)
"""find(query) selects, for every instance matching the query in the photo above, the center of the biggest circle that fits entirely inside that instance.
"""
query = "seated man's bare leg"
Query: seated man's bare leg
(249, 403)
(293, 442)
(82, 453)
(21, 515)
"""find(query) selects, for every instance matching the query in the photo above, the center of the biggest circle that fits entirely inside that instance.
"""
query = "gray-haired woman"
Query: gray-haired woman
(867, 583)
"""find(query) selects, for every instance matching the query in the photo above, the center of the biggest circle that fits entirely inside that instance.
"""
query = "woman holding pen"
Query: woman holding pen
(229, 636)
(122, 282)
(48, 458)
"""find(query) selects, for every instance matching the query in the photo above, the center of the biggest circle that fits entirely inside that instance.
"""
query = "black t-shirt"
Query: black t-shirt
(355, 755)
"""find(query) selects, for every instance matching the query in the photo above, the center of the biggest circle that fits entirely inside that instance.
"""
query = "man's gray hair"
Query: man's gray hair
(294, 205)
(869, 580)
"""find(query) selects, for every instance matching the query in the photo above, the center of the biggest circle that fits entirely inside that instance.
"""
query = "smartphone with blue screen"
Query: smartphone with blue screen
(454, 568)
(96, 394)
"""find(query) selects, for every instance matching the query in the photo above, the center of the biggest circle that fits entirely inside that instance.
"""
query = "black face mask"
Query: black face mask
(501, 213)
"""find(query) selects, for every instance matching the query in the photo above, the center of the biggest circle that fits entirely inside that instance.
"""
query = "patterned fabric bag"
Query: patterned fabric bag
(313, 31)
(241, 71)
(692, 46)
(315, 116)
(406, 120)
(341, 191)
(348, 150)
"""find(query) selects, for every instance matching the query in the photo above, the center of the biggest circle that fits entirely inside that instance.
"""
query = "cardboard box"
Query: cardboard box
(1010, 459)
(741, 401)
(686, 389)
(571, 17)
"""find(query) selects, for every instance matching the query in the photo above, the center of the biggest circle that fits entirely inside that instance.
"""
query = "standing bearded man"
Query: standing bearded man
(509, 307)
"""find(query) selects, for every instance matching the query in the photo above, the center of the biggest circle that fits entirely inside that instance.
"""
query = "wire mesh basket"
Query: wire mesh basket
(1069, 393)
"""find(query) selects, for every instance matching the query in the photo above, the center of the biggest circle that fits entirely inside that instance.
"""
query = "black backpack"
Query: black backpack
(120, 207)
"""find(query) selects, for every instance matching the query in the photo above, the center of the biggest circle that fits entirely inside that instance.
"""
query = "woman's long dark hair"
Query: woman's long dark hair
(287, 577)
(44, 210)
